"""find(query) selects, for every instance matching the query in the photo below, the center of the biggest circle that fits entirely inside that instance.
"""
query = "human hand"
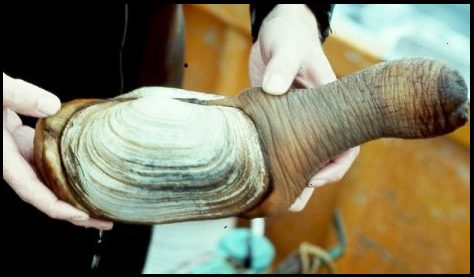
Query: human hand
(288, 54)
(27, 99)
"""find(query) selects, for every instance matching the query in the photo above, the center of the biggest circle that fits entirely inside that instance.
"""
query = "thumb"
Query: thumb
(28, 99)
(280, 73)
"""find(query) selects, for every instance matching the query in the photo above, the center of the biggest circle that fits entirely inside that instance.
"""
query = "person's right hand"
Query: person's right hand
(24, 98)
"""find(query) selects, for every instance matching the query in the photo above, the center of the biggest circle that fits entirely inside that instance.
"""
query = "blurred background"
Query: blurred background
(393, 31)
(404, 205)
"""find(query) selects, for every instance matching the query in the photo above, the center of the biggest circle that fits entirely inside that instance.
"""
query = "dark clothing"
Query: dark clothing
(78, 49)
(73, 49)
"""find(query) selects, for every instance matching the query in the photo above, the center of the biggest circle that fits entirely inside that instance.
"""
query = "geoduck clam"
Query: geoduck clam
(145, 157)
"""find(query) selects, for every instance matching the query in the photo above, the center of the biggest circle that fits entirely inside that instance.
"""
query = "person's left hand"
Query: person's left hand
(288, 54)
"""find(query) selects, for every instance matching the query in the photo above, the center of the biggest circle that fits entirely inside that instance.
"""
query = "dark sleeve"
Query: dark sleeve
(322, 12)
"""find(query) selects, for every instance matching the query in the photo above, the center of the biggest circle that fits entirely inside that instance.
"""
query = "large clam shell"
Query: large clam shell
(156, 159)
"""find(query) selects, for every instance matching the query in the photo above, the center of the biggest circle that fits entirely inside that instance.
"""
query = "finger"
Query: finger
(94, 223)
(280, 72)
(11, 120)
(256, 65)
(302, 200)
(28, 99)
(335, 170)
(23, 180)
(317, 70)
(24, 136)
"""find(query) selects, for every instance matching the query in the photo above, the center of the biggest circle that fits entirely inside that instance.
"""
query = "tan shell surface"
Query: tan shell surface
(155, 159)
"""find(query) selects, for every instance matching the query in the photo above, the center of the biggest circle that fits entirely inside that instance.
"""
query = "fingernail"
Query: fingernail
(274, 84)
(318, 182)
(49, 105)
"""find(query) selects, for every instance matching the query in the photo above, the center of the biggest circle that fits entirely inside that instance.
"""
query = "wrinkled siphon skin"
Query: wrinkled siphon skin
(148, 158)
